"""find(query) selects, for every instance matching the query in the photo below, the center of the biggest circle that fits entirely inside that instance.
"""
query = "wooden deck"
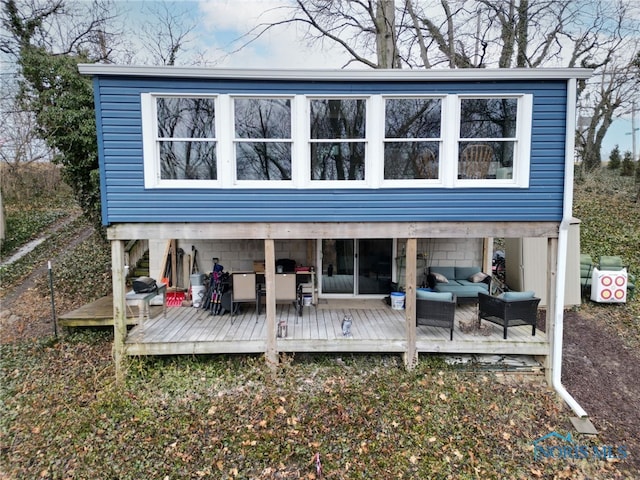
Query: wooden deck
(99, 313)
(375, 329)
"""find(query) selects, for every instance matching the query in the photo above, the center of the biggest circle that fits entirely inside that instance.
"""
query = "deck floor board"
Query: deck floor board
(375, 328)
(192, 325)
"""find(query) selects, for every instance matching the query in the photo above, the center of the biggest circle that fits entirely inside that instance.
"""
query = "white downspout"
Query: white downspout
(556, 376)
(561, 267)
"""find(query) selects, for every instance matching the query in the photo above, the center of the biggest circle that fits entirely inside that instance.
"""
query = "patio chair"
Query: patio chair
(475, 161)
(243, 290)
(286, 290)
(436, 309)
(586, 269)
(510, 309)
(614, 263)
(425, 165)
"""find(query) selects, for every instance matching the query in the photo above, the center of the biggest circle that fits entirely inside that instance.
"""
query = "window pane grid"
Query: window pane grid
(342, 142)
(412, 140)
(263, 118)
(187, 160)
(337, 139)
(262, 138)
(183, 117)
(488, 117)
(185, 138)
(487, 137)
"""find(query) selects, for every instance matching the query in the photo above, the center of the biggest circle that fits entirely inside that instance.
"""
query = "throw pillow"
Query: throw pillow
(477, 277)
(440, 278)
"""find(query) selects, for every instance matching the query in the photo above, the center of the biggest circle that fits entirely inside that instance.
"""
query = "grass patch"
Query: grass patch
(26, 225)
(86, 259)
(231, 417)
(34, 198)
(610, 218)
(610, 225)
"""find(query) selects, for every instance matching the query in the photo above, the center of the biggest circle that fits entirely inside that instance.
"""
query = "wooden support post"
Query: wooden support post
(487, 254)
(165, 259)
(552, 285)
(411, 354)
(186, 272)
(174, 264)
(119, 308)
(271, 354)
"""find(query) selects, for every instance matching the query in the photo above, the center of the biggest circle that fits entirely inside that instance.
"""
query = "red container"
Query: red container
(174, 299)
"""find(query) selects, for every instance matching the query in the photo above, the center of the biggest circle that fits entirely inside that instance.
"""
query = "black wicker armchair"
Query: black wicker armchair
(507, 312)
(436, 313)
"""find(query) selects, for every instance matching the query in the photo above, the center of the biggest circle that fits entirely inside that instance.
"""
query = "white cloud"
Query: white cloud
(240, 15)
(226, 21)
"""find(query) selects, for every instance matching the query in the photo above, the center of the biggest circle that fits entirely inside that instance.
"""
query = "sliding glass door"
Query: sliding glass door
(356, 267)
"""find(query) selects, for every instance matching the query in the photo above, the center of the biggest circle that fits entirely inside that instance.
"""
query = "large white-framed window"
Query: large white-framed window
(358, 141)
(180, 143)
(262, 140)
(493, 140)
(412, 140)
(337, 140)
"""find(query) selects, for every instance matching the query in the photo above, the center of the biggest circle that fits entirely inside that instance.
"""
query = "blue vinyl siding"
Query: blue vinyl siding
(126, 200)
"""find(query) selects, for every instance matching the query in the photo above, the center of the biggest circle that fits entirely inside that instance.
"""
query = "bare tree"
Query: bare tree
(46, 39)
(610, 91)
(165, 33)
(598, 34)
(20, 144)
(616, 80)
(59, 26)
(361, 28)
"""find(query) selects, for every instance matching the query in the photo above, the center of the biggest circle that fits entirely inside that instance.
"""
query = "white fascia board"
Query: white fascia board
(461, 74)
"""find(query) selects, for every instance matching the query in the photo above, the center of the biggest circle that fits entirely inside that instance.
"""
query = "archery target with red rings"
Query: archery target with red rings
(609, 286)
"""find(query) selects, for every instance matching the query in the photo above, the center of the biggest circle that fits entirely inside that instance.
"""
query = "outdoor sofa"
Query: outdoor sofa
(464, 282)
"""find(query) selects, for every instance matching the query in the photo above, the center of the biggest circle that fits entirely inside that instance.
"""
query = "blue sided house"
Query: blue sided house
(366, 181)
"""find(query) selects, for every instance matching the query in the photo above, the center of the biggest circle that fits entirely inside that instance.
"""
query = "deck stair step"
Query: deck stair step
(142, 267)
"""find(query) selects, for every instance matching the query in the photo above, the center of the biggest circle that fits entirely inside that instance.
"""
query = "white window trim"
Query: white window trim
(522, 140)
(374, 145)
(151, 149)
(413, 182)
(369, 180)
(231, 134)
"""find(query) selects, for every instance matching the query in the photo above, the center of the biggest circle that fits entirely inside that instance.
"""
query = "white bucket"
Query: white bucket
(307, 300)
(197, 279)
(397, 300)
(197, 295)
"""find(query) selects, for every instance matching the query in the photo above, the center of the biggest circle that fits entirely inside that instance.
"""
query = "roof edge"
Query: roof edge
(461, 74)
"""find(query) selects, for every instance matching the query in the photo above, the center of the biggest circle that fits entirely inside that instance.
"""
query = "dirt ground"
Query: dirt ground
(599, 370)
(24, 313)
(603, 375)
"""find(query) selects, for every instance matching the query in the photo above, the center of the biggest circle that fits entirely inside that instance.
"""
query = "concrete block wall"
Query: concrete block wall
(238, 255)
(449, 252)
(233, 255)
(454, 252)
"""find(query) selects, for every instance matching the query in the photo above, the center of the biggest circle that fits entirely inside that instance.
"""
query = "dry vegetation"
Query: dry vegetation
(63, 417)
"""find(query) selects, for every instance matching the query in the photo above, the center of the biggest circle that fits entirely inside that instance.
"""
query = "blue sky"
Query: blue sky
(620, 134)
(220, 22)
